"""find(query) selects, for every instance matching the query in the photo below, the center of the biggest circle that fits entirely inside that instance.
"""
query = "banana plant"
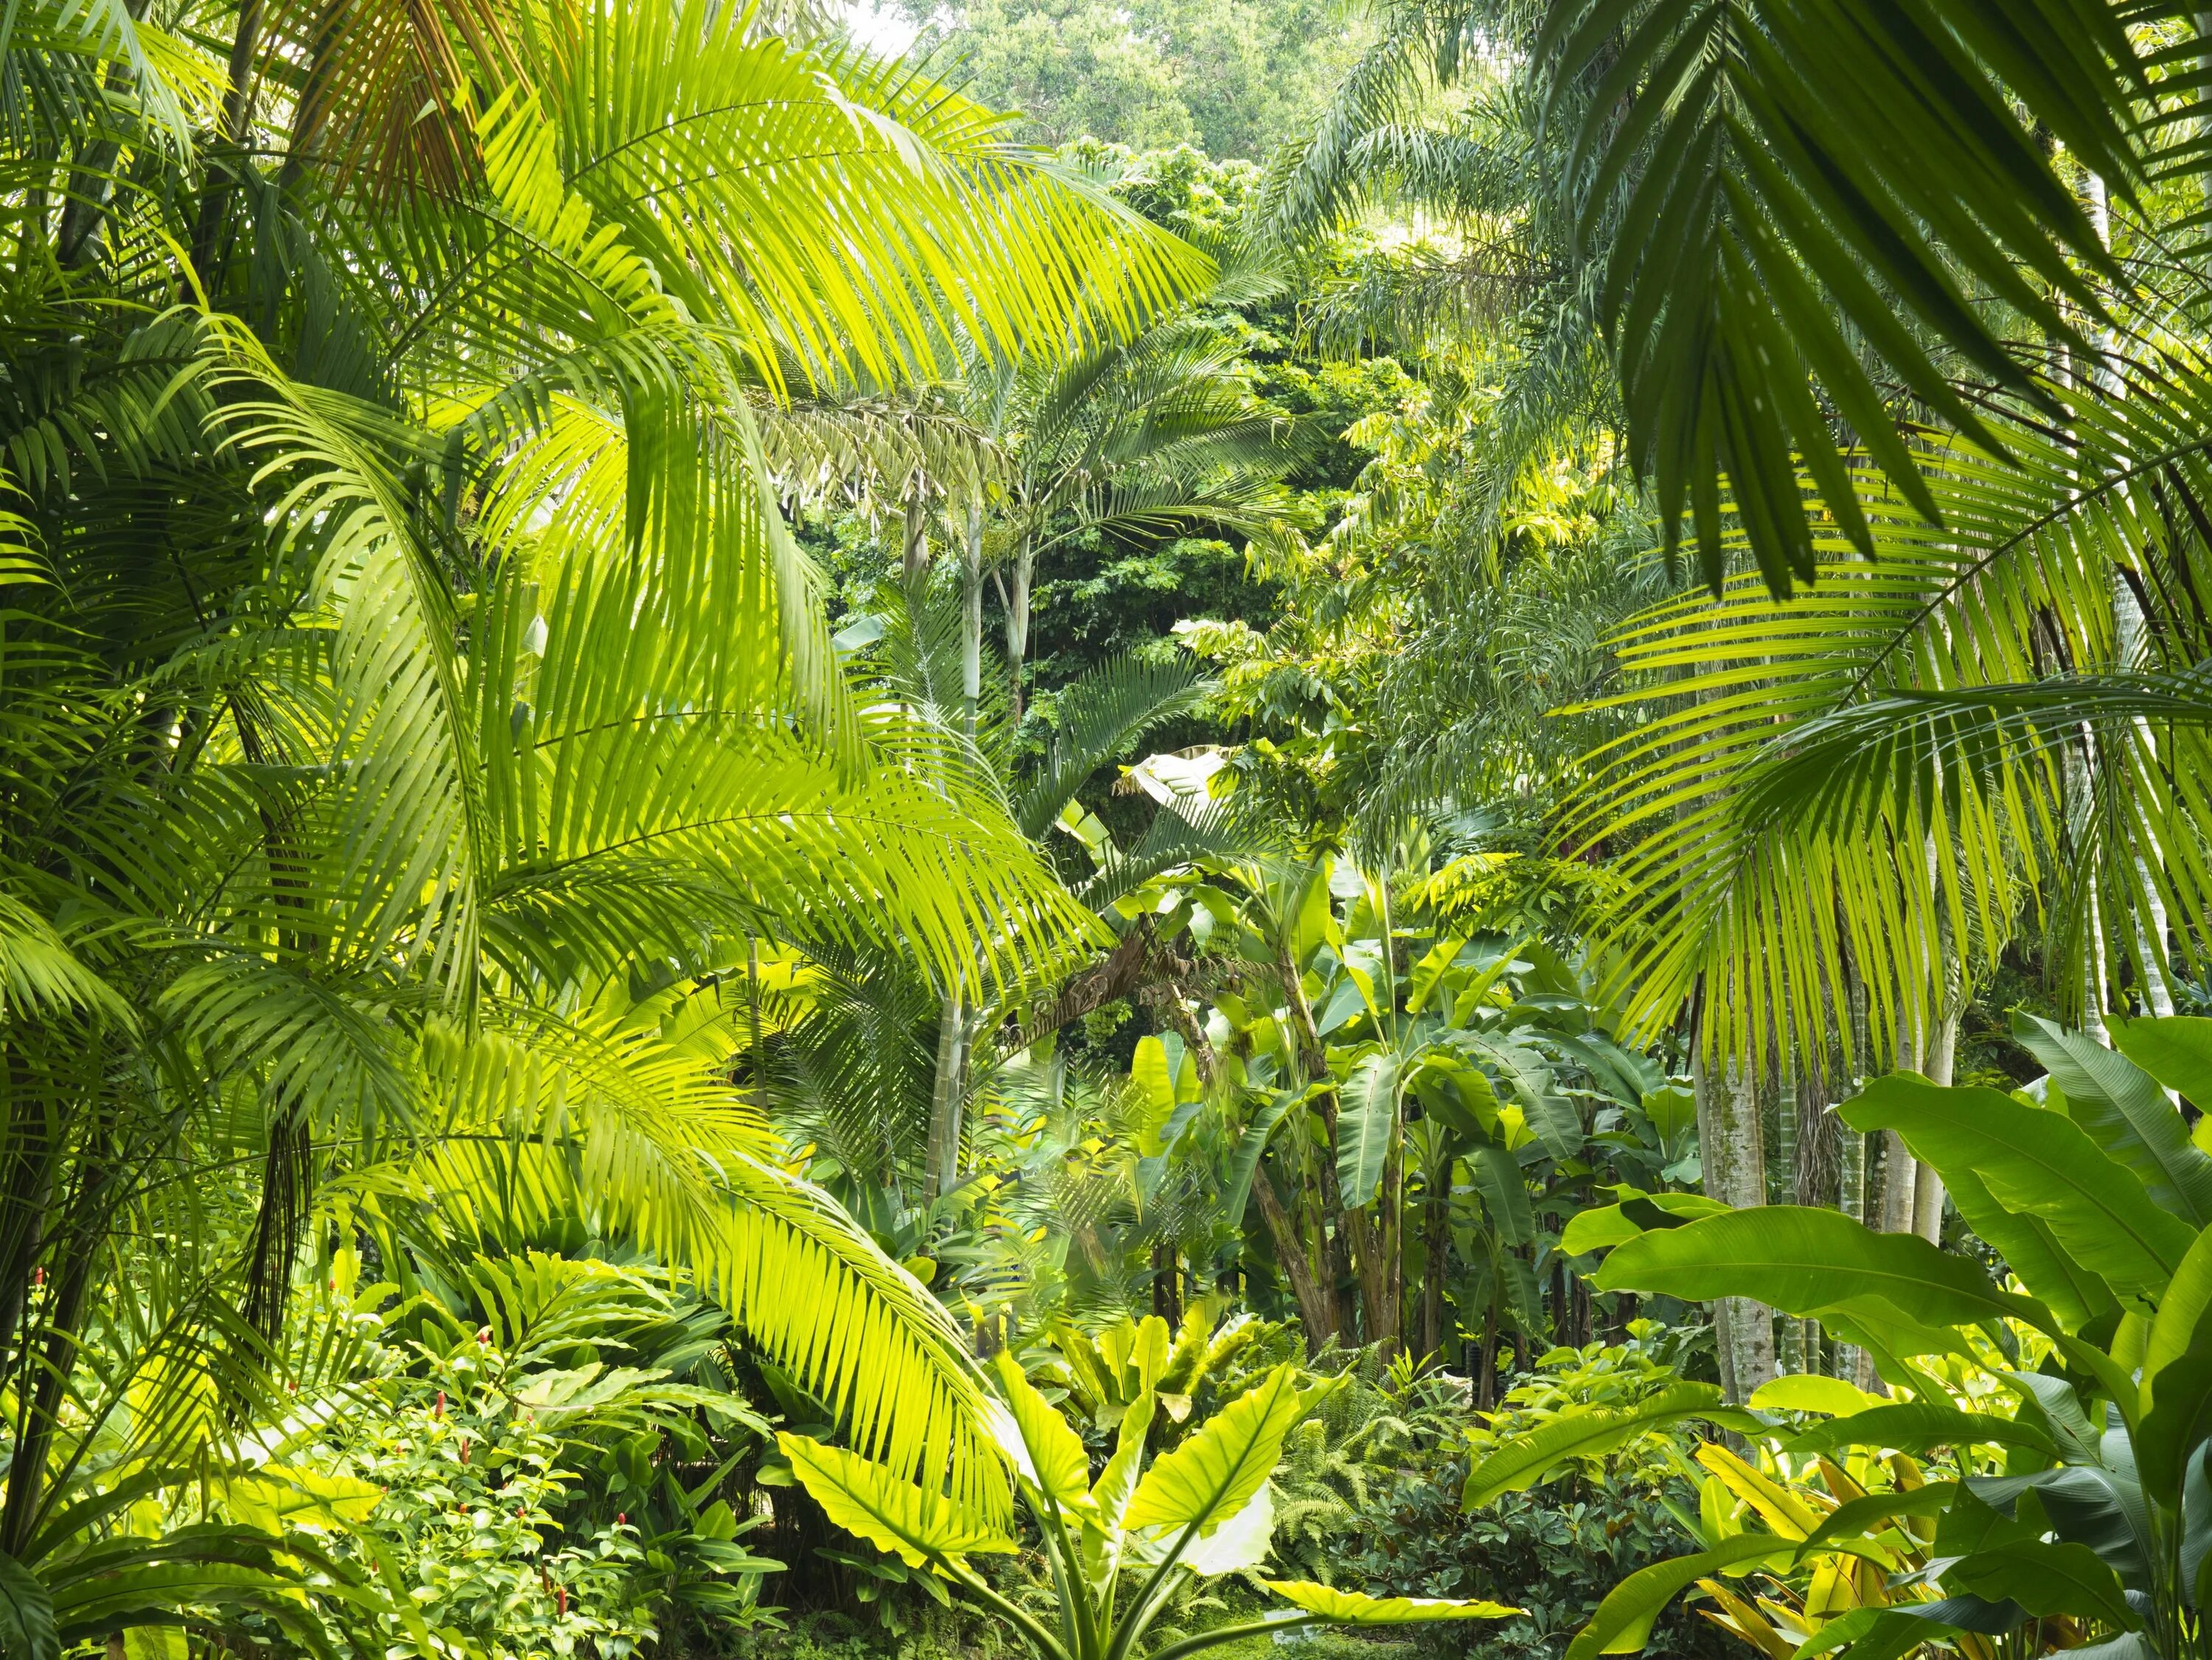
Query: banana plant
(2079, 1493)
(1203, 1509)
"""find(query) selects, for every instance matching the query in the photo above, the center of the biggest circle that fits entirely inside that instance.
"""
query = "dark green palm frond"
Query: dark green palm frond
(1097, 717)
(1745, 217)
(1313, 184)
(1183, 832)
(853, 1060)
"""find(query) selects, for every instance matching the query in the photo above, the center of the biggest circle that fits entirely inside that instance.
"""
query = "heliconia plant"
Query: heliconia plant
(2083, 1503)
(1203, 1509)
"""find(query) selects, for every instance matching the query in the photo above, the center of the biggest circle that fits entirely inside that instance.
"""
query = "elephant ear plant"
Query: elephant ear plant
(2078, 1503)
(1206, 1508)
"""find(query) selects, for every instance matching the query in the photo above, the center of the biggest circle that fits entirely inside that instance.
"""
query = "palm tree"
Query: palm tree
(412, 687)
(1854, 793)
(1955, 380)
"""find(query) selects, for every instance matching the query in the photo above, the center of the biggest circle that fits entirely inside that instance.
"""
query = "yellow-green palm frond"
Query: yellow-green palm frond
(612, 1124)
(1847, 787)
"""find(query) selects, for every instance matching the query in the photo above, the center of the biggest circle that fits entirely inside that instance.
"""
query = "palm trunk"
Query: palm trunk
(948, 1095)
(1436, 1245)
(1353, 1248)
(32, 1157)
(916, 554)
(38, 1415)
(971, 617)
(1018, 617)
(1734, 1174)
(85, 210)
(237, 115)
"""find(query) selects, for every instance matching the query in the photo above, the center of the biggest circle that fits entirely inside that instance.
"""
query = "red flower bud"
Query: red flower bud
(439, 1411)
(621, 1518)
(561, 1600)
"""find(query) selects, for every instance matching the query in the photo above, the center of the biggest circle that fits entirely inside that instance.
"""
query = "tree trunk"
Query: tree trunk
(1436, 1246)
(947, 1097)
(1018, 617)
(1735, 1160)
(971, 619)
(1351, 1245)
(27, 1472)
(1315, 1311)
(916, 554)
(237, 116)
(1167, 1295)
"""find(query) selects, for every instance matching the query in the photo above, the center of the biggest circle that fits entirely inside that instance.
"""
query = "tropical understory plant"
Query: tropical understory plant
(1119, 1545)
(2075, 1397)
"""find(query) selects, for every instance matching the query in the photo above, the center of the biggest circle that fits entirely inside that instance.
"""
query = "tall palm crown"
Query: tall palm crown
(414, 701)
(1907, 305)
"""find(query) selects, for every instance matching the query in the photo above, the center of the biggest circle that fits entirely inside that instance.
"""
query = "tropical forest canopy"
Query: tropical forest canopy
(1170, 827)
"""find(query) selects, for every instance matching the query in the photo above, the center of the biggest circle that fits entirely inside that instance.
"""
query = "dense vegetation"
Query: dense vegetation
(1386, 832)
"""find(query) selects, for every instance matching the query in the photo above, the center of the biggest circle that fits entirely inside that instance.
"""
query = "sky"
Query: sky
(883, 30)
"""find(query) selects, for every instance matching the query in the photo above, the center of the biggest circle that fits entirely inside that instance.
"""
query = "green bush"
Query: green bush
(1374, 1500)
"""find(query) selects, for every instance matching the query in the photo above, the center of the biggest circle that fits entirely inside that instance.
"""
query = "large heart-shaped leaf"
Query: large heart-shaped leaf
(1344, 1608)
(1048, 1454)
(1213, 1474)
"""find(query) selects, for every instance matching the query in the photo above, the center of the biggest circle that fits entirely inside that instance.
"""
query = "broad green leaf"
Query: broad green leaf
(1802, 1260)
(1671, 1108)
(1504, 1193)
(2045, 1579)
(1605, 1225)
(1051, 1453)
(1810, 1391)
(1103, 1535)
(1528, 1080)
(895, 1516)
(1622, 1624)
(27, 1614)
(1251, 1146)
(1241, 1542)
(1581, 1432)
(276, 1495)
(1213, 1474)
(1344, 1608)
(2033, 1163)
(1916, 1425)
(1871, 1511)
(1149, 1070)
(1366, 1123)
(2175, 1049)
(2052, 1403)
(2123, 1107)
(2078, 1298)
(2177, 1374)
